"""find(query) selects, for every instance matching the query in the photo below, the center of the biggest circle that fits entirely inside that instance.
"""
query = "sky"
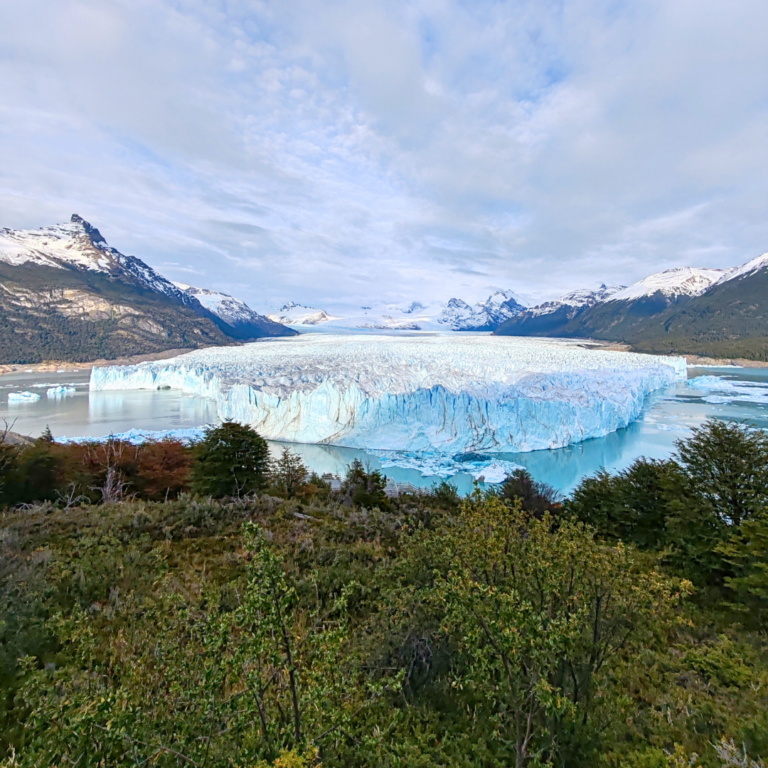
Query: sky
(351, 151)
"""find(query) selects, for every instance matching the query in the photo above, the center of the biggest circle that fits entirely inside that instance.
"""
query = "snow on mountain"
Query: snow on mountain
(680, 281)
(485, 315)
(297, 314)
(443, 394)
(389, 323)
(231, 310)
(750, 268)
(79, 245)
(583, 297)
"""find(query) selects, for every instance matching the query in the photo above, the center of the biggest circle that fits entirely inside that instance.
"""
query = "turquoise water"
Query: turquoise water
(739, 394)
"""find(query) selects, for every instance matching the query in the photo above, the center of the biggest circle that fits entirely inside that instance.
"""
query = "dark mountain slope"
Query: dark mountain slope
(728, 319)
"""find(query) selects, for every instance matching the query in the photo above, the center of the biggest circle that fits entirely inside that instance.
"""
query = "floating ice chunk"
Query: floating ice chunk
(23, 397)
(721, 391)
(139, 436)
(440, 465)
(58, 392)
(494, 472)
(441, 394)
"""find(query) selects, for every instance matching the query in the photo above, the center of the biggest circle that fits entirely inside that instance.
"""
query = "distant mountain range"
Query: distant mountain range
(298, 314)
(453, 315)
(65, 294)
(710, 312)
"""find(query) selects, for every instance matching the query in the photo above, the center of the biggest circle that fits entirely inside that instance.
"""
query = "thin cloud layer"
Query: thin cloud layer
(338, 152)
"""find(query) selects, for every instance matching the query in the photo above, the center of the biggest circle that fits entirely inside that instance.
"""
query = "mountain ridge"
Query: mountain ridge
(65, 294)
(708, 312)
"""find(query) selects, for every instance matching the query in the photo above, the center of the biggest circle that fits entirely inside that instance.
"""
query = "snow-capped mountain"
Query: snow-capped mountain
(297, 314)
(68, 295)
(712, 312)
(484, 316)
(79, 245)
(235, 313)
(578, 299)
(751, 267)
(453, 315)
(672, 283)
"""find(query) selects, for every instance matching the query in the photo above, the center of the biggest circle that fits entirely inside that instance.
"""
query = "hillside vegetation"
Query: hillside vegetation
(287, 626)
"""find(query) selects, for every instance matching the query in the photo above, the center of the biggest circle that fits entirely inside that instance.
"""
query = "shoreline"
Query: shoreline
(691, 360)
(52, 366)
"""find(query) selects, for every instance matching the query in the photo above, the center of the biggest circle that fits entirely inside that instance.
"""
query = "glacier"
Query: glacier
(435, 393)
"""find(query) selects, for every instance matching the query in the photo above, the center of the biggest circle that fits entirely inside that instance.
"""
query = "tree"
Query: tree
(721, 484)
(365, 487)
(631, 506)
(725, 468)
(746, 551)
(289, 474)
(534, 496)
(231, 460)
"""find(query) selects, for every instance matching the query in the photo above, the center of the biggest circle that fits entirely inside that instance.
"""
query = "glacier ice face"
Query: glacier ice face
(442, 394)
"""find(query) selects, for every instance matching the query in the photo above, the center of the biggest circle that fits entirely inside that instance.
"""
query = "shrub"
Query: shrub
(232, 460)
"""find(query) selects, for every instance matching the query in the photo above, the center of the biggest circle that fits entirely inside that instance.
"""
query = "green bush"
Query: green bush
(231, 460)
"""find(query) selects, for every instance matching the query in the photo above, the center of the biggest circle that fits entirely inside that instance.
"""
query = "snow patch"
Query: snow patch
(583, 297)
(681, 281)
(755, 265)
(297, 314)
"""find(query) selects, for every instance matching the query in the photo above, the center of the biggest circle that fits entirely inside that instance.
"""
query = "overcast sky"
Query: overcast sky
(328, 152)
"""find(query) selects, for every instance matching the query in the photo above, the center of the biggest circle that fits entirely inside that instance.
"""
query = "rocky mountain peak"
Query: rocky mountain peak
(93, 234)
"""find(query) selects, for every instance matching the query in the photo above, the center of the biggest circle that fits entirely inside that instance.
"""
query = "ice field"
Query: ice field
(445, 394)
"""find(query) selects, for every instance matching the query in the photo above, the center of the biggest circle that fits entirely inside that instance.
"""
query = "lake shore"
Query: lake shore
(54, 365)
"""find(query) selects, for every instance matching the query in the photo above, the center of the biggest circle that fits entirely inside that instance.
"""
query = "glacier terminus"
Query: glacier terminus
(445, 394)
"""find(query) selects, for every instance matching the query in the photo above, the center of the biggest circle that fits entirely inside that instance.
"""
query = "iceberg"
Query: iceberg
(54, 393)
(720, 390)
(23, 397)
(482, 468)
(187, 435)
(439, 394)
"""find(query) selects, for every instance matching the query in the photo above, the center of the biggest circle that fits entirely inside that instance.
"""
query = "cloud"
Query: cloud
(330, 150)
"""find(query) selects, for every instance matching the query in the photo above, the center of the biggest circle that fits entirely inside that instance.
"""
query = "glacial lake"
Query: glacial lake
(739, 394)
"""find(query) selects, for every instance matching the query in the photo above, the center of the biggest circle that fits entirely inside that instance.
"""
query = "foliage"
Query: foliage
(533, 496)
(297, 627)
(630, 506)
(231, 460)
(364, 487)
(289, 475)
(93, 472)
(536, 614)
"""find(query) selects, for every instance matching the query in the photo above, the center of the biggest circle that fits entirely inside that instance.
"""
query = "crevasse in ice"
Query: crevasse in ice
(444, 394)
